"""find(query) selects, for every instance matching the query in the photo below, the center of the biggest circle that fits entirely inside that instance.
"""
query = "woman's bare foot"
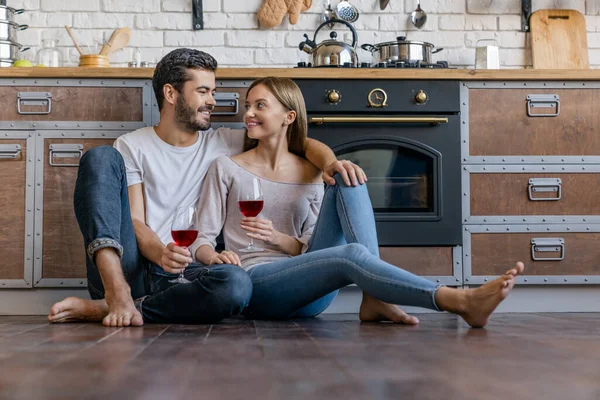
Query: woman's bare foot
(476, 305)
(73, 309)
(373, 310)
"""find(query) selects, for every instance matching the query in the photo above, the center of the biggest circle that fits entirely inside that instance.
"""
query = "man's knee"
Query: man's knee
(99, 156)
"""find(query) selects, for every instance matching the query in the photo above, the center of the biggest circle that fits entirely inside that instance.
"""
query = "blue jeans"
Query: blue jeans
(102, 210)
(342, 250)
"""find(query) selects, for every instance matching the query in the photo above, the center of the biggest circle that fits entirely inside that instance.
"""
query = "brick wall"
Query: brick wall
(232, 33)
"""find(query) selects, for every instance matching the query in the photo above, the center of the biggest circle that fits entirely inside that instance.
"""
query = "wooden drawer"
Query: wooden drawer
(441, 264)
(60, 253)
(15, 267)
(529, 194)
(499, 124)
(551, 254)
(69, 103)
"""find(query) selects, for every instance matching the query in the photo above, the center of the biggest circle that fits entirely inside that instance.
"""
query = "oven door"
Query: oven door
(413, 171)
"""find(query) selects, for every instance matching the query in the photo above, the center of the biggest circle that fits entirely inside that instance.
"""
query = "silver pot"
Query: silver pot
(8, 30)
(6, 63)
(402, 50)
(10, 50)
(7, 13)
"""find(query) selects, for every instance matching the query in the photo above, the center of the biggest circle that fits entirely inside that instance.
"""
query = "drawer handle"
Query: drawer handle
(227, 100)
(10, 151)
(380, 120)
(541, 185)
(29, 99)
(543, 101)
(541, 245)
(65, 151)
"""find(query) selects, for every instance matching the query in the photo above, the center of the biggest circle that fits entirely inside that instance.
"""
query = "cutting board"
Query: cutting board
(559, 39)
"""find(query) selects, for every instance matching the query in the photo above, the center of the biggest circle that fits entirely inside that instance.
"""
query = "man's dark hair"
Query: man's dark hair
(172, 69)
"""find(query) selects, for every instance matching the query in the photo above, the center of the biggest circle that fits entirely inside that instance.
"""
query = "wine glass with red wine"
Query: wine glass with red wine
(184, 230)
(250, 201)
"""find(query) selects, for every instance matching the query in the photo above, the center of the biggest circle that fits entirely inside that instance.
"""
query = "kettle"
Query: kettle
(331, 53)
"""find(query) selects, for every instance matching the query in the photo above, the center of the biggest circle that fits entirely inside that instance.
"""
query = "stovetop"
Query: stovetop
(395, 64)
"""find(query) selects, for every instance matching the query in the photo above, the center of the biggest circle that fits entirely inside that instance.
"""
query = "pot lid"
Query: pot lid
(402, 40)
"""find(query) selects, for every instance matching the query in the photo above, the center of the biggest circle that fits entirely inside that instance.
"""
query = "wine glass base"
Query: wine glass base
(180, 279)
(250, 249)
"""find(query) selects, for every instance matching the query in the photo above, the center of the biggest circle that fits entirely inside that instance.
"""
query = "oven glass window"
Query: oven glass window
(400, 179)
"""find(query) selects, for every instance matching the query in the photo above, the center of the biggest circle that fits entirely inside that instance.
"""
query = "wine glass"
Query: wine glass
(184, 230)
(250, 201)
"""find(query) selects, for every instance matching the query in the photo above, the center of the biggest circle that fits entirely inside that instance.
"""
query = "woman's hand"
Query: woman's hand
(351, 173)
(261, 229)
(225, 257)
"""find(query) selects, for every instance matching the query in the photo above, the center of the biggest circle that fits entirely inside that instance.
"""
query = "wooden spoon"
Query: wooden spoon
(74, 40)
(118, 40)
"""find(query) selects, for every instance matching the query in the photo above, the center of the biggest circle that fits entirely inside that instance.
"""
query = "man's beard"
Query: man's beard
(187, 118)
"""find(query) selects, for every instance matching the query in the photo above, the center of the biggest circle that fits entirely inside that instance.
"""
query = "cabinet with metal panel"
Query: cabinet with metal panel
(530, 165)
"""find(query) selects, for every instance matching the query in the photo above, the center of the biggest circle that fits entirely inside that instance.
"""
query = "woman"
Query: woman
(307, 259)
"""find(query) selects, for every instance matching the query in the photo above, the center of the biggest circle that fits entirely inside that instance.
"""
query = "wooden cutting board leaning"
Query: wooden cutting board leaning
(559, 40)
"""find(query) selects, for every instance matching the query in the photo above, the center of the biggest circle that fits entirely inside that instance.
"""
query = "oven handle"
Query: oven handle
(400, 120)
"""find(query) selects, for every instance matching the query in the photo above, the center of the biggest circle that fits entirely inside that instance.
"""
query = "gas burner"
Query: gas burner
(394, 64)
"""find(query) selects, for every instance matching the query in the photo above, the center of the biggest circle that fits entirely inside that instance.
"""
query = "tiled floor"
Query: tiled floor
(518, 356)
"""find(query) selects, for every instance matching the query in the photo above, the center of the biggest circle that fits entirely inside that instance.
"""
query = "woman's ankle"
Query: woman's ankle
(451, 300)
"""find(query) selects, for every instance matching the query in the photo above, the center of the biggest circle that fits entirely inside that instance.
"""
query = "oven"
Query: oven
(406, 136)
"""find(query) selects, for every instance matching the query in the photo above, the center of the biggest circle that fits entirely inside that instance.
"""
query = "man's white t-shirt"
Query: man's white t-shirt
(172, 176)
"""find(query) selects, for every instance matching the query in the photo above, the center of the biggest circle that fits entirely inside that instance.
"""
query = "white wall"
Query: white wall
(232, 33)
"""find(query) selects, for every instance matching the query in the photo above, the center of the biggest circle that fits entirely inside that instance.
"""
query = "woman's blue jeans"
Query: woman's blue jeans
(343, 250)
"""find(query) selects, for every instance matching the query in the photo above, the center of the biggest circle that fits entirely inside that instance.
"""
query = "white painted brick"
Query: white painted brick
(593, 40)
(594, 56)
(494, 6)
(30, 37)
(102, 20)
(130, 6)
(471, 38)
(272, 56)
(242, 21)
(367, 6)
(402, 23)
(293, 39)
(214, 21)
(509, 22)
(250, 6)
(513, 40)
(25, 4)
(254, 39)
(452, 22)
(44, 20)
(458, 57)
(367, 22)
(439, 39)
(578, 5)
(479, 22)
(592, 23)
(306, 22)
(70, 5)
(147, 38)
(436, 6)
(164, 21)
(592, 7)
(194, 38)
(186, 5)
(227, 57)
(514, 57)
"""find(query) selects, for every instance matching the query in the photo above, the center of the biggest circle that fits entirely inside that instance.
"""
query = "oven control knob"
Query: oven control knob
(334, 97)
(421, 97)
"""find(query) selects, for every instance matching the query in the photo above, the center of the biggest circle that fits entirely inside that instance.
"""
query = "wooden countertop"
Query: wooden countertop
(316, 73)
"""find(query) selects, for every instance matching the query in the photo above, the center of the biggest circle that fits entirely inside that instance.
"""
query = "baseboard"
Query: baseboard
(522, 299)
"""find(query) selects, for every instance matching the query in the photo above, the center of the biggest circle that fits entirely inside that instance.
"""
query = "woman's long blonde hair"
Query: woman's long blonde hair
(290, 96)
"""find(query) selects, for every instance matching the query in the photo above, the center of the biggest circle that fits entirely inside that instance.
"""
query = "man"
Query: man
(125, 198)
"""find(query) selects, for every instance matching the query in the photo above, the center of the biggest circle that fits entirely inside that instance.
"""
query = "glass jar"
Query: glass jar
(49, 55)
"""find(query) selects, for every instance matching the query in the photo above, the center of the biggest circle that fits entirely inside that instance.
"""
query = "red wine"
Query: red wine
(184, 238)
(250, 208)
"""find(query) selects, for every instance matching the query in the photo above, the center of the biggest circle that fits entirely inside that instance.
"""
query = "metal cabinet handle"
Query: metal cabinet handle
(25, 99)
(551, 185)
(541, 245)
(400, 120)
(10, 151)
(543, 101)
(65, 151)
(227, 100)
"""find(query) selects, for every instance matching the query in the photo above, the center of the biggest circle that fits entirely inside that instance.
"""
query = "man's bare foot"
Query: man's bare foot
(481, 302)
(373, 310)
(73, 309)
(121, 310)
